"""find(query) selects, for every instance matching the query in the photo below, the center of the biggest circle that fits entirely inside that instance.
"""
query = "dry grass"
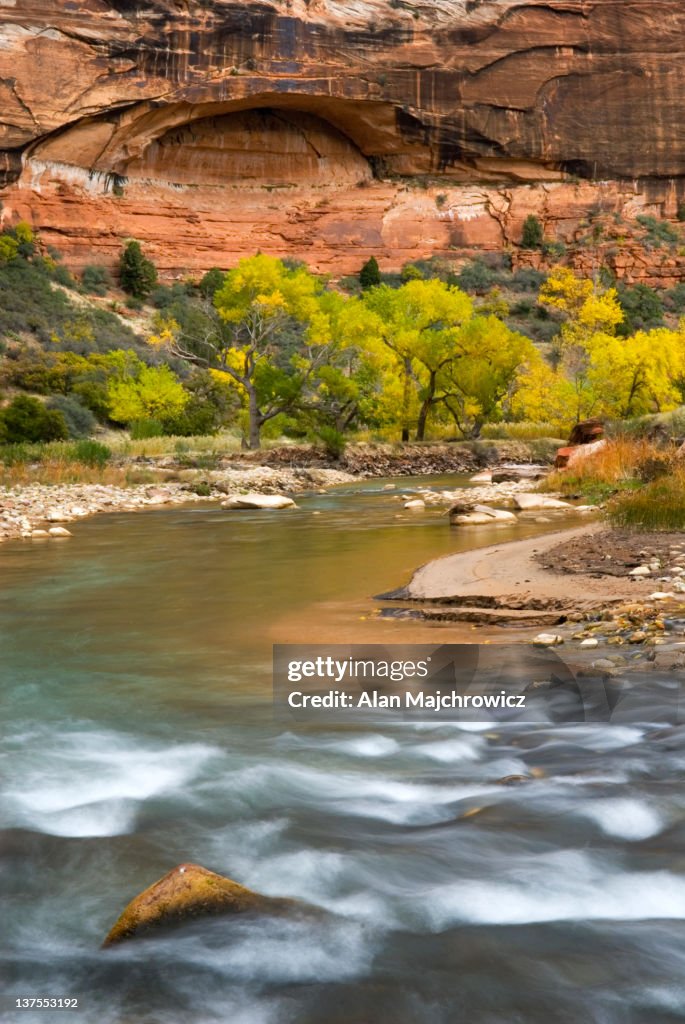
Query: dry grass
(620, 462)
(643, 484)
(61, 471)
(659, 505)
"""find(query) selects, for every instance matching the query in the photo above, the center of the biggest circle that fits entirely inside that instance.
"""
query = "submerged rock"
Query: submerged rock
(187, 892)
(266, 501)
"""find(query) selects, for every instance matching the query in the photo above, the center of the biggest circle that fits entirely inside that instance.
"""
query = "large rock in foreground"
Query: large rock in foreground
(188, 892)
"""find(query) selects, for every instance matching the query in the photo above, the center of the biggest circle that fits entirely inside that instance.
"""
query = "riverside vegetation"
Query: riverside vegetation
(268, 351)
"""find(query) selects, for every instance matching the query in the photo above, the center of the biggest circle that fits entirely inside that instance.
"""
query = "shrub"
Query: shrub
(27, 419)
(62, 275)
(642, 309)
(96, 279)
(370, 274)
(410, 272)
(79, 419)
(475, 277)
(141, 430)
(198, 419)
(676, 298)
(333, 441)
(532, 237)
(527, 280)
(659, 505)
(658, 231)
(91, 453)
(211, 282)
(138, 275)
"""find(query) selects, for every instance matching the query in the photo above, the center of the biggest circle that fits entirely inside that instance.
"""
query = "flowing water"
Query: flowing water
(137, 733)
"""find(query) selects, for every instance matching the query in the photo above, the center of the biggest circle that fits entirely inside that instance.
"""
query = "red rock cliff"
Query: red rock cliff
(305, 126)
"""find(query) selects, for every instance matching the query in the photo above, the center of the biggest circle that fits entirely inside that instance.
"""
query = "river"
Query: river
(137, 733)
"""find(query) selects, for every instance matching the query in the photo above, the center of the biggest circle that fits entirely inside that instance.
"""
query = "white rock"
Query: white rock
(417, 503)
(548, 640)
(660, 595)
(590, 642)
(640, 570)
(262, 501)
(494, 513)
(525, 500)
(55, 516)
(484, 477)
(58, 531)
(39, 533)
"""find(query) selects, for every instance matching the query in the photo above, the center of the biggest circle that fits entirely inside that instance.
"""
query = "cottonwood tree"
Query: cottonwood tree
(420, 324)
(266, 333)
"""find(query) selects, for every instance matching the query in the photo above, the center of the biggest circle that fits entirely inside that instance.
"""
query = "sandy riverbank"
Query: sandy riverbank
(510, 577)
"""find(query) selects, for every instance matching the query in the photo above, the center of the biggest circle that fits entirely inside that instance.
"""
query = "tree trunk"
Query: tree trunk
(255, 424)
(425, 409)
(405, 400)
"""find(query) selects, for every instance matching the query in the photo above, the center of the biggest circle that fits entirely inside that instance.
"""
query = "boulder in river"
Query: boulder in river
(190, 891)
(526, 501)
(509, 474)
(478, 515)
(265, 501)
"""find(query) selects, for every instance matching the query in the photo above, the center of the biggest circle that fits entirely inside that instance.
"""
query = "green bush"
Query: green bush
(658, 231)
(211, 282)
(138, 275)
(198, 419)
(27, 419)
(62, 275)
(96, 279)
(675, 297)
(91, 453)
(79, 419)
(370, 274)
(14, 454)
(642, 309)
(476, 277)
(141, 430)
(532, 237)
(333, 441)
(526, 280)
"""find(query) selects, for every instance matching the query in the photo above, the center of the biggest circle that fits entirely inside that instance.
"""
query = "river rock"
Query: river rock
(263, 501)
(640, 570)
(415, 503)
(190, 891)
(506, 474)
(590, 642)
(548, 640)
(478, 515)
(54, 515)
(58, 531)
(525, 501)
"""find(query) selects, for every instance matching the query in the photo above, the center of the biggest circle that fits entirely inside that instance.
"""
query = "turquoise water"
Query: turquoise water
(138, 733)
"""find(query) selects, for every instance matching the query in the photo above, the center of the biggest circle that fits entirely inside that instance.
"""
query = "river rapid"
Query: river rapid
(137, 733)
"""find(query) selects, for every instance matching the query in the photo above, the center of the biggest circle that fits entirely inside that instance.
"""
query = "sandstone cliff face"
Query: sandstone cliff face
(206, 129)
